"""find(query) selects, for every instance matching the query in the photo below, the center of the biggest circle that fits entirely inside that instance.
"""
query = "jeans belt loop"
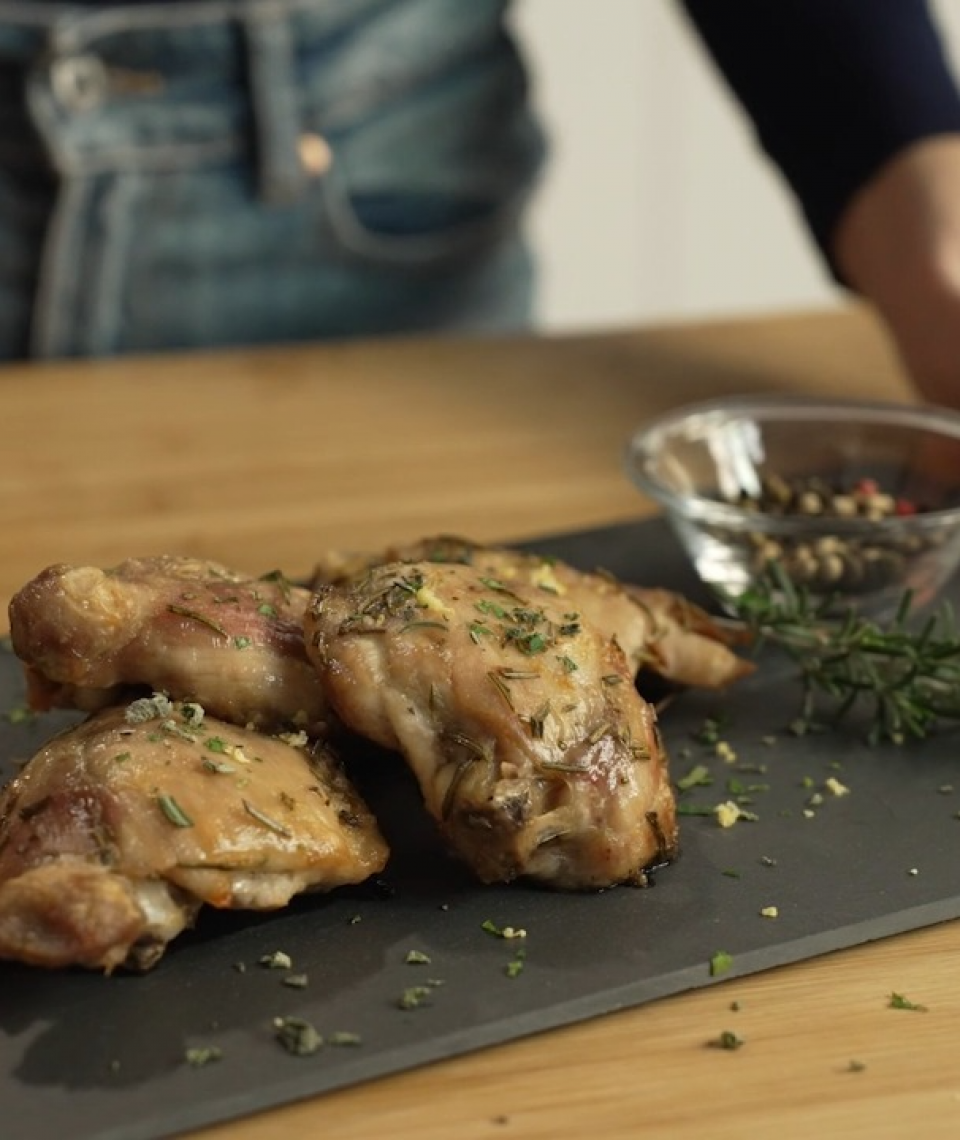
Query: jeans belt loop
(274, 102)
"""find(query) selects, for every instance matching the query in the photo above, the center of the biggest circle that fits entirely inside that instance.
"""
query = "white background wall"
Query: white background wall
(656, 204)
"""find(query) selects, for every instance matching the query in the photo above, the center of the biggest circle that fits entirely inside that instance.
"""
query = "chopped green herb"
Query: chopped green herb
(343, 1037)
(297, 1036)
(497, 586)
(19, 715)
(199, 1055)
(192, 713)
(698, 777)
(898, 1001)
(281, 580)
(499, 683)
(220, 767)
(528, 643)
(242, 642)
(182, 611)
(720, 963)
(173, 811)
(726, 1040)
(709, 731)
(423, 624)
(417, 958)
(174, 728)
(515, 966)
(413, 997)
(538, 721)
(266, 820)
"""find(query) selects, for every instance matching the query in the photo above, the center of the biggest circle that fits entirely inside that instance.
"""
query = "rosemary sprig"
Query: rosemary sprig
(906, 674)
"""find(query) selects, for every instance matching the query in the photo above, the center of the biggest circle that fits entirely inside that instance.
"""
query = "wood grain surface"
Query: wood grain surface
(264, 458)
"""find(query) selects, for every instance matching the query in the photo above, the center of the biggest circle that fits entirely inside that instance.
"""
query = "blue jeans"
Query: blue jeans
(223, 172)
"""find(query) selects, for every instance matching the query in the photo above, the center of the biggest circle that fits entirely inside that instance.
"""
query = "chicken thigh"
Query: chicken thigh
(532, 748)
(657, 629)
(188, 627)
(118, 830)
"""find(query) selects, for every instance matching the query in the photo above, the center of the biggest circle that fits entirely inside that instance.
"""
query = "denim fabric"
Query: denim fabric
(218, 172)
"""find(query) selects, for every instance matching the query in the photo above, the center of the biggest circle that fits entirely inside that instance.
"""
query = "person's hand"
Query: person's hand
(898, 245)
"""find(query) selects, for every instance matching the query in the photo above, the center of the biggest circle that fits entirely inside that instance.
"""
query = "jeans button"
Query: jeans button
(316, 156)
(79, 82)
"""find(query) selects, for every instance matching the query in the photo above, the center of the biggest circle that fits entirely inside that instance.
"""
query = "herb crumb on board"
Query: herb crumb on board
(297, 1036)
(720, 963)
(900, 1001)
(197, 1056)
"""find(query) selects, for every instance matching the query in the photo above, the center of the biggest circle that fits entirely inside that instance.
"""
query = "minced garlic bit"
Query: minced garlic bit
(808, 813)
(294, 739)
(428, 600)
(727, 813)
(835, 788)
(726, 752)
(276, 960)
(769, 911)
(545, 578)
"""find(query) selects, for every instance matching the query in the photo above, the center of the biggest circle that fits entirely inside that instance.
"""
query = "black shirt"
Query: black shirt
(834, 87)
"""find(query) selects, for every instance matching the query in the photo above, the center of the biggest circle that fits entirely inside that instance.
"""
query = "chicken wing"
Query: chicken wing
(117, 831)
(532, 748)
(657, 629)
(188, 627)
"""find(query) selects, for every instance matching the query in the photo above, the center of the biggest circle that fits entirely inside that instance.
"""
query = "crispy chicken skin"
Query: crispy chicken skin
(657, 629)
(118, 830)
(531, 746)
(188, 627)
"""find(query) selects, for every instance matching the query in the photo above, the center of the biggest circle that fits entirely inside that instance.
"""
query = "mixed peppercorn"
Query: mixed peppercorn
(835, 562)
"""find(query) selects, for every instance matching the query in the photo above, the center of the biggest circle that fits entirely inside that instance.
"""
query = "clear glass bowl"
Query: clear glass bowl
(856, 501)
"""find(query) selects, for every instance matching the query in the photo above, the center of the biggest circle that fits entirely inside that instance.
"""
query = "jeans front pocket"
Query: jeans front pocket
(416, 230)
(438, 175)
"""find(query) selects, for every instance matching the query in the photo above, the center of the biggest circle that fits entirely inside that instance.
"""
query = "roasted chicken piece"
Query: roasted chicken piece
(191, 628)
(118, 830)
(531, 746)
(657, 629)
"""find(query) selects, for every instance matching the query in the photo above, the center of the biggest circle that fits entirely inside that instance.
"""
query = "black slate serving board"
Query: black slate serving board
(99, 1058)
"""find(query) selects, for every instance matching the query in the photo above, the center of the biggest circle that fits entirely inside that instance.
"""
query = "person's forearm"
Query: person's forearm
(898, 243)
